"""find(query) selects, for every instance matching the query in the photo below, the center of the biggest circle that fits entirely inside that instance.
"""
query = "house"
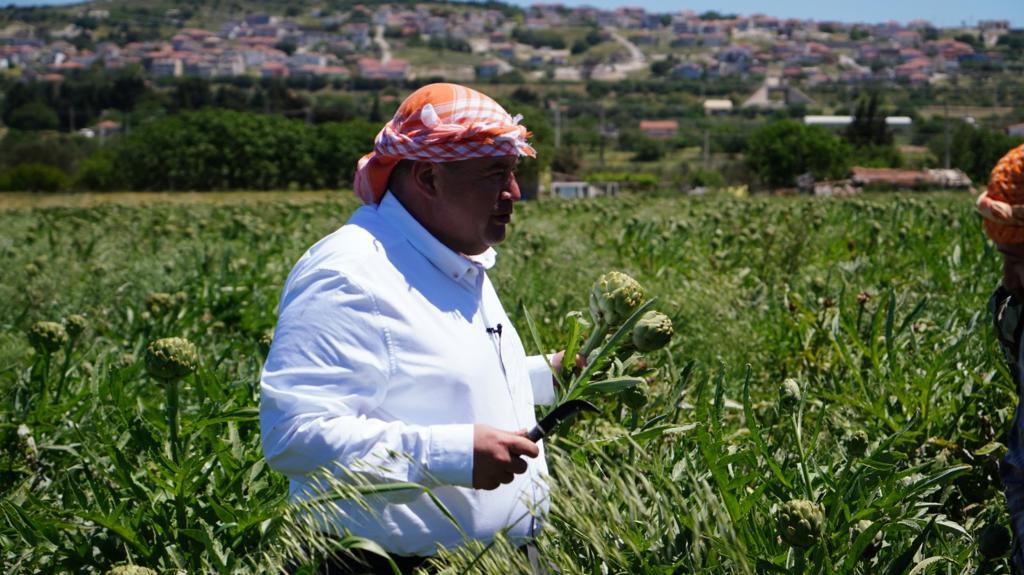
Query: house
(688, 71)
(167, 67)
(570, 190)
(395, 69)
(659, 129)
(896, 178)
(837, 122)
(717, 107)
(1016, 130)
(774, 94)
(492, 68)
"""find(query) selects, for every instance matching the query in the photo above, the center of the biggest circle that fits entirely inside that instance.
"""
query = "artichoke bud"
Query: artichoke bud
(800, 522)
(76, 325)
(856, 443)
(993, 541)
(876, 542)
(789, 394)
(47, 336)
(614, 297)
(652, 332)
(266, 338)
(160, 304)
(171, 358)
(130, 570)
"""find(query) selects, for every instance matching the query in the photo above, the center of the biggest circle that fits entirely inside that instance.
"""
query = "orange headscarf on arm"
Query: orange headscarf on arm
(440, 123)
(1001, 206)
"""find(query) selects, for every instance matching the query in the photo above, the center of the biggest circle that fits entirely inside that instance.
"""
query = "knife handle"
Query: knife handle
(535, 434)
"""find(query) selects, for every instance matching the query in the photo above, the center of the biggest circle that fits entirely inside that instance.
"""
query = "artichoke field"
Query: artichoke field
(816, 389)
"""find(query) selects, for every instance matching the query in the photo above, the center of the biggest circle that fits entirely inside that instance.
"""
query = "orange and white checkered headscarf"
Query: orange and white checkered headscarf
(1002, 205)
(440, 123)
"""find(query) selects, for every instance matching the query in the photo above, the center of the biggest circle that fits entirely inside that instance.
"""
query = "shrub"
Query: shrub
(99, 172)
(33, 116)
(34, 178)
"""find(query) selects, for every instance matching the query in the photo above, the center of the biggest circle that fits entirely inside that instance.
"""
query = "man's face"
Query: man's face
(474, 202)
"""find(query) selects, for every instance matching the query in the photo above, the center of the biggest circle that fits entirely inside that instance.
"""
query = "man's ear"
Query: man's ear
(424, 175)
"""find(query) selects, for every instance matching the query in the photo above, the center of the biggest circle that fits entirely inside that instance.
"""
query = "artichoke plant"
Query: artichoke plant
(789, 394)
(168, 360)
(856, 443)
(171, 358)
(652, 332)
(800, 523)
(75, 325)
(614, 297)
(876, 542)
(47, 336)
(993, 541)
(130, 570)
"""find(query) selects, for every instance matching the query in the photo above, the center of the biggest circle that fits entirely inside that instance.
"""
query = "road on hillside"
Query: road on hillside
(637, 61)
(385, 49)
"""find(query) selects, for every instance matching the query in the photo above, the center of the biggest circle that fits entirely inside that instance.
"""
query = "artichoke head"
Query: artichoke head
(800, 522)
(614, 297)
(652, 332)
(171, 358)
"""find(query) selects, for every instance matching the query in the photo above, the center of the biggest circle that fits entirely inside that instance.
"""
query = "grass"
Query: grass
(875, 305)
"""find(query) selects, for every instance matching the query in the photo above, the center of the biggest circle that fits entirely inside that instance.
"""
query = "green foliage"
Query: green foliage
(33, 116)
(224, 150)
(99, 172)
(63, 151)
(875, 305)
(33, 178)
(974, 150)
(780, 151)
(567, 160)
(868, 127)
(339, 147)
(549, 37)
(707, 178)
(648, 150)
(887, 156)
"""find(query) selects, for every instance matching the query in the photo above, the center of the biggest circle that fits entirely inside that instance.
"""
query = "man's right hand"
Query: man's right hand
(497, 455)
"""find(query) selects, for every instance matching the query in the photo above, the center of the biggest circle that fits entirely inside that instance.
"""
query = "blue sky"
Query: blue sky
(941, 12)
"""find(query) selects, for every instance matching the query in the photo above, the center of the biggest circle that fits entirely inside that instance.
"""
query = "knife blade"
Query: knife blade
(558, 415)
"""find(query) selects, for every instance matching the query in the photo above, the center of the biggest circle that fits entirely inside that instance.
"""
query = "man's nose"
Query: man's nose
(511, 191)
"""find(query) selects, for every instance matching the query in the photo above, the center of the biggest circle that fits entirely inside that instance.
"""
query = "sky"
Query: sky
(939, 12)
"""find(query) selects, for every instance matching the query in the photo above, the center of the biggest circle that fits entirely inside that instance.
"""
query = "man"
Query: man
(1002, 210)
(393, 359)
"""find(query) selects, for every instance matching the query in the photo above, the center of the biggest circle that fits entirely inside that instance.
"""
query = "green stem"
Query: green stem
(595, 339)
(800, 562)
(46, 376)
(64, 368)
(794, 418)
(172, 416)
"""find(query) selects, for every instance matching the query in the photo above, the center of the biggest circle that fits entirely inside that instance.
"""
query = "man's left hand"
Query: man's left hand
(558, 358)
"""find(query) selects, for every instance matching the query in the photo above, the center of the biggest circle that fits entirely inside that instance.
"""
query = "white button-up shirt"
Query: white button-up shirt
(388, 342)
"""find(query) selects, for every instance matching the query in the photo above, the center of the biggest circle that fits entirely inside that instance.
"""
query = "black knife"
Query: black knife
(558, 415)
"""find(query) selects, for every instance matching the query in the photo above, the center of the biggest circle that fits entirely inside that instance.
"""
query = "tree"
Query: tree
(868, 127)
(780, 151)
(33, 116)
(192, 94)
(974, 150)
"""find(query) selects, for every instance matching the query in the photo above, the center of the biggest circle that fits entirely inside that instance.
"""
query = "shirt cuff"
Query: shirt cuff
(541, 379)
(450, 459)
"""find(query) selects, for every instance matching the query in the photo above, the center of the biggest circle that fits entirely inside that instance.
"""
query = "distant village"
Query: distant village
(369, 42)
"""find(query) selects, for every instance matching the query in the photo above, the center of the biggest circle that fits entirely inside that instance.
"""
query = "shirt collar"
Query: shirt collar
(461, 268)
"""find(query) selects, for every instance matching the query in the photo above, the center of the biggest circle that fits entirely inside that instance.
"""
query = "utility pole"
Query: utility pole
(558, 123)
(707, 149)
(946, 134)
